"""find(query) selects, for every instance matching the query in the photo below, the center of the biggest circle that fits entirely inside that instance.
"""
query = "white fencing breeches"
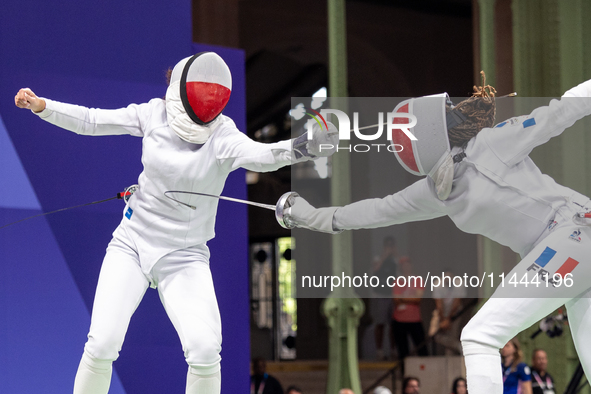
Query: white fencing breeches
(513, 308)
(186, 290)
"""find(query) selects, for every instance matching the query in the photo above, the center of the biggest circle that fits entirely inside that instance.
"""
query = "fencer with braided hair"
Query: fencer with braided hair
(484, 180)
(478, 112)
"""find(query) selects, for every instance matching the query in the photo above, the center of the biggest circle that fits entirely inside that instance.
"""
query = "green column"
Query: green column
(337, 49)
(343, 308)
(490, 253)
(343, 315)
(574, 142)
(486, 19)
(536, 58)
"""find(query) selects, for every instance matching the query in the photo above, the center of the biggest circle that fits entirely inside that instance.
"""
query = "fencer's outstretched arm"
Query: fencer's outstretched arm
(416, 202)
(87, 121)
(581, 90)
(25, 98)
(234, 149)
(512, 141)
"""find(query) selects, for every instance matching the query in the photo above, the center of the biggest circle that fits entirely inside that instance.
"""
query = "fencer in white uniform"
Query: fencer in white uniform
(490, 186)
(188, 145)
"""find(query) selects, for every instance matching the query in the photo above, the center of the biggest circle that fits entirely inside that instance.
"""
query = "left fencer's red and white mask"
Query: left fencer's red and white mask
(199, 90)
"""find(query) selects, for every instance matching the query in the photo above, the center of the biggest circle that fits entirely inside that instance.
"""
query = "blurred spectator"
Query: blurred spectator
(448, 302)
(381, 390)
(541, 382)
(406, 317)
(459, 386)
(381, 302)
(260, 381)
(346, 391)
(293, 390)
(411, 385)
(516, 374)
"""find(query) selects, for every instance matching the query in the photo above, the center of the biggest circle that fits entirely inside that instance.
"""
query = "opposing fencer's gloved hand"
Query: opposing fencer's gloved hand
(302, 214)
(323, 143)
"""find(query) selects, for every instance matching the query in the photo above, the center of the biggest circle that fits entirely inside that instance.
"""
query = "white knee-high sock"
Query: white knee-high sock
(203, 384)
(93, 376)
(483, 368)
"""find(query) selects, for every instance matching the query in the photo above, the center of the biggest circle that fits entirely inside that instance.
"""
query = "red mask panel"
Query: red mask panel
(206, 84)
(207, 99)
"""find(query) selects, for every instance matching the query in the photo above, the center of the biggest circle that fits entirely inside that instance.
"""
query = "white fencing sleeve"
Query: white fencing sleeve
(94, 121)
(581, 90)
(416, 202)
(234, 150)
(304, 215)
(515, 138)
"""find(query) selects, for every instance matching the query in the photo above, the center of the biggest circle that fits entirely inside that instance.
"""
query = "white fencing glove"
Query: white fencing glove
(323, 143)
(302, 214)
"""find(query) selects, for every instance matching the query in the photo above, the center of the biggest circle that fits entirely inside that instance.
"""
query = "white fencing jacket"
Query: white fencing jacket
(154, 223)
(497, 191)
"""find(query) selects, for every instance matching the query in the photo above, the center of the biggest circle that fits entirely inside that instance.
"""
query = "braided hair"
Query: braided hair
(479, 111)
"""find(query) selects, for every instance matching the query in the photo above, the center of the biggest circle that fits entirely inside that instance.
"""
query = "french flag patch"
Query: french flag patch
(568, 267)
(545, 257)
(128, 213)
